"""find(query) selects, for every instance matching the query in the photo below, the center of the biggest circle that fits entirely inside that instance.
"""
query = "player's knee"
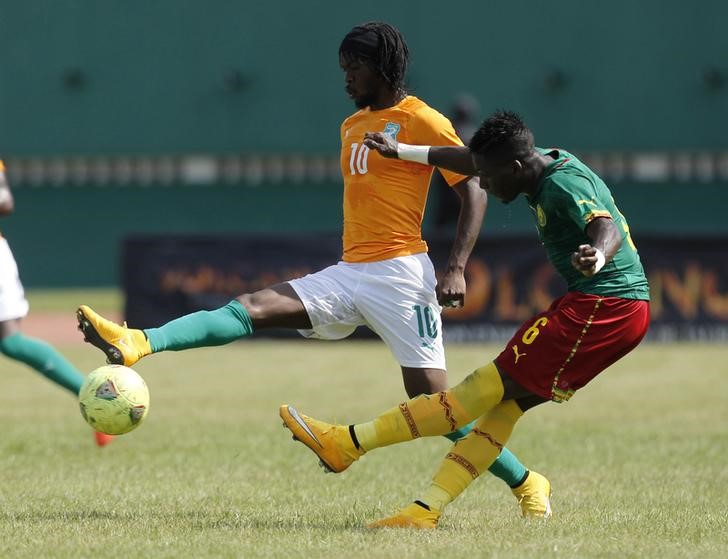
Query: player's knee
(277, 306)
(257, 304)
(423, 381)
(248, 301)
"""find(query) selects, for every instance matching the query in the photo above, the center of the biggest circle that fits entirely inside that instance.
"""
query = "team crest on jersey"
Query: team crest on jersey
(540, 215)
(391, 129)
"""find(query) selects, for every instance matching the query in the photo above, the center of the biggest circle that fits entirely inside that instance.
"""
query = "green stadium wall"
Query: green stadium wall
(133, 78)
(137, 77)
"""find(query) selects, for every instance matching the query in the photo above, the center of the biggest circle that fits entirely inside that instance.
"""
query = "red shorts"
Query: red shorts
(558, 351)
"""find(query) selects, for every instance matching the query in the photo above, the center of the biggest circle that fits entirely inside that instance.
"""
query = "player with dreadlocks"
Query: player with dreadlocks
(381, 47)
(385, 280)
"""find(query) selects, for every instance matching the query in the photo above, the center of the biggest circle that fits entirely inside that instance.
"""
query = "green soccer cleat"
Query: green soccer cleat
(534, 496)
(411, 516)
(122, 345)
(331, 443)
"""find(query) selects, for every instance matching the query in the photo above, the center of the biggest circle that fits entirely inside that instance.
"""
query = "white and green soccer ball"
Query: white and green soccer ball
(114, 399)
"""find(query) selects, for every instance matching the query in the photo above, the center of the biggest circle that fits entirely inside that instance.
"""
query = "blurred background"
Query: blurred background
(126, 124)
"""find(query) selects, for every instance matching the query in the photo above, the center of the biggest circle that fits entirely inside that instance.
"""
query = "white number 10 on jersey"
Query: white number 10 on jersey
(358, 159)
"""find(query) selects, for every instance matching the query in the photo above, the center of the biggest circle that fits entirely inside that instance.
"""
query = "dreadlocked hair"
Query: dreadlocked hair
(502, 133)
(383, 47)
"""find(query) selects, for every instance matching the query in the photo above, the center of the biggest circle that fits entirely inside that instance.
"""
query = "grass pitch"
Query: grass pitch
(637, 461)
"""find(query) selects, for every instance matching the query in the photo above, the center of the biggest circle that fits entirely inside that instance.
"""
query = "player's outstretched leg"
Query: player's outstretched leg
(122, 345)
(44, 358)
(424, 416)
(534, 496)
(125, 346)
(333, 444)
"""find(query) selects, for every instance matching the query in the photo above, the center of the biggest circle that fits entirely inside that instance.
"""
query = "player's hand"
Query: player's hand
(381, 143)
(450, 289)
(585, 260)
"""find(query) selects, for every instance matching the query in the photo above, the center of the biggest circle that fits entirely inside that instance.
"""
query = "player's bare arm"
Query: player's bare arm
(451, 288)
(606, 240)
(452, 158)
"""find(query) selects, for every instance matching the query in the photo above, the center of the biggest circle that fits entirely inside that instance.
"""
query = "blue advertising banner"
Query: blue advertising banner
(509, 280)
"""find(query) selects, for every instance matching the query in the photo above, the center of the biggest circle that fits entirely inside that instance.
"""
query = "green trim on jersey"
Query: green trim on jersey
(569, 196)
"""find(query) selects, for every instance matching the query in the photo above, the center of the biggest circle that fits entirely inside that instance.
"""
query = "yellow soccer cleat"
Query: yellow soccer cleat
(534, 496)
(331, 443)
(411, 516)
(122, 345)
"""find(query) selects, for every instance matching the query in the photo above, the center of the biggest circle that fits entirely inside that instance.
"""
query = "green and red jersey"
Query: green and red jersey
(569, 196)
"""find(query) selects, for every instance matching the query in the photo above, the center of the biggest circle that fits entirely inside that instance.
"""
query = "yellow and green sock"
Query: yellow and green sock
(506, 467)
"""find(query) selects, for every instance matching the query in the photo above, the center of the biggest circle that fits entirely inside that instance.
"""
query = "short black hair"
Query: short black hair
(503, 134)
(380, 45)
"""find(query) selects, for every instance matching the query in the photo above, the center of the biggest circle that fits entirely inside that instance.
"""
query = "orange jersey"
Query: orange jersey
(384, 199)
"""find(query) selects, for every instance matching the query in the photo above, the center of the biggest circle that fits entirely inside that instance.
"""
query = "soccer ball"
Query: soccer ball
(114, 399)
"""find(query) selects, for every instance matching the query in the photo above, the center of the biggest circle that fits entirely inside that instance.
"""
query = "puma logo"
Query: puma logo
(514, 347)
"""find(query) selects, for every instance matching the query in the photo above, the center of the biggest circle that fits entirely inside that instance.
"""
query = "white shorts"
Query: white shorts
(395, 298)
(13, 303)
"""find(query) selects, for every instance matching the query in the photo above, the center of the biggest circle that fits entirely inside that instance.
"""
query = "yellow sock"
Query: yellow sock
(434, 414)
(472, 455)
(436, 497)
(479, 391)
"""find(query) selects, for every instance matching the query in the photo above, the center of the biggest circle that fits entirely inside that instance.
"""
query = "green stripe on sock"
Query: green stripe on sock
(460, 433)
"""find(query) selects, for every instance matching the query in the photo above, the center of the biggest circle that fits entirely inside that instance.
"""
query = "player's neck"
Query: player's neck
(536, 165)
(387, 99)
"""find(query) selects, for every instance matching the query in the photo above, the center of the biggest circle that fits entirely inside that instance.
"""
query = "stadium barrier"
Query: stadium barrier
(509, 280)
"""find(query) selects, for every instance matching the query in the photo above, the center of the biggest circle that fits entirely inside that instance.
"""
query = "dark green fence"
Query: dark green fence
(72, 236)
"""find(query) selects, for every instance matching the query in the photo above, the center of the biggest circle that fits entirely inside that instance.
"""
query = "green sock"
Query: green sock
(202, 329)
(43, 358)
(460, 433)
(506, 467)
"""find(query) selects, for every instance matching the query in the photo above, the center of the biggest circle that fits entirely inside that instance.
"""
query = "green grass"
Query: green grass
(67, 300)
(637, 461)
